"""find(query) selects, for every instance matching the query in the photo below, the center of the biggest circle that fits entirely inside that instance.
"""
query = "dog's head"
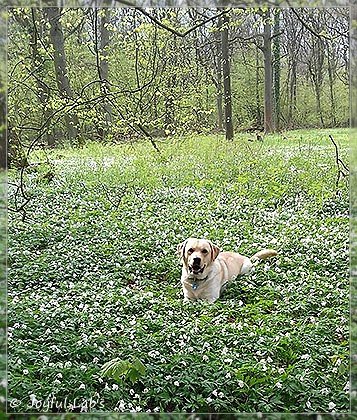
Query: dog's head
(197, 255)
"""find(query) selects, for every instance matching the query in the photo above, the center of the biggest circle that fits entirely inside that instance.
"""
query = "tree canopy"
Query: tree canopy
(113, 74)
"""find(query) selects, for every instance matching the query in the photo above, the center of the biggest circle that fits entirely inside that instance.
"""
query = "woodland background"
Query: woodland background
(88, 74)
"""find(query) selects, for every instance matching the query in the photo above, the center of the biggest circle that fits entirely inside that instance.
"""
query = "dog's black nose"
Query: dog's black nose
(197, 261)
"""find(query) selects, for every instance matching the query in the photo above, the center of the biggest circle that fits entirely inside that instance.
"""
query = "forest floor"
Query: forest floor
(94, 276)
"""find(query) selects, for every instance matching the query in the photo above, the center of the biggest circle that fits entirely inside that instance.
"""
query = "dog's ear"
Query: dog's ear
(181, 249)
(215, 250)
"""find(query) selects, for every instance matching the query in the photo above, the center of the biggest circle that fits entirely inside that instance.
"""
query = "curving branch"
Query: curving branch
(308, 27)
(342, 169)
(174, 31)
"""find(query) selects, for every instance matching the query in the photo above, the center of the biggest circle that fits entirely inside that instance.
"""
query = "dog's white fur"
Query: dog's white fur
(206, 271)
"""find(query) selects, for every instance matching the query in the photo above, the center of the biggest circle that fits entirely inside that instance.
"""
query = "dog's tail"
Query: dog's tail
(264, 254)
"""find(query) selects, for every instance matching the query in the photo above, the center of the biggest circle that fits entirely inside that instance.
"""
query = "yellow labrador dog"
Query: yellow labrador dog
(206, 271)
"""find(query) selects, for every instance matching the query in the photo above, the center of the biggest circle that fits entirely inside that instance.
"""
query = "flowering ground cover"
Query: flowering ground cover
(94, 276)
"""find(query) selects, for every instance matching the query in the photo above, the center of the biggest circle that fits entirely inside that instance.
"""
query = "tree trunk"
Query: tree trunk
(294, 34)
(169, 121)
(37, 66)
(56, 36)
(319, 107)
(292, 92)
(219, 94)
(320, 76)
(257, 90)
(268, 78)
(331, 73)
(276, 65)
(226, 78)
(103, 69)
(316, 73)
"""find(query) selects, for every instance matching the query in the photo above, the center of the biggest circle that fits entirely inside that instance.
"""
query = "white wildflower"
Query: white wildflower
(331, 405)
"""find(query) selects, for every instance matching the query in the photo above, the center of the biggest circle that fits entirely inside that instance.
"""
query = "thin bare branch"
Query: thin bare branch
(174, 31)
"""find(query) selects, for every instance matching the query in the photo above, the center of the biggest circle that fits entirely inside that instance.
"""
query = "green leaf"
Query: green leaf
(118, 368)
(133, 375)
(139, 366)
(115, 368)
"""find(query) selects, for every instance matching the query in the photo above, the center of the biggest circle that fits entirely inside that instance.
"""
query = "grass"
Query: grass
(94, 276)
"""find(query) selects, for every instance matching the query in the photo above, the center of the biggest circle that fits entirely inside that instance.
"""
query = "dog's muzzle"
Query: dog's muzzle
(196, 269)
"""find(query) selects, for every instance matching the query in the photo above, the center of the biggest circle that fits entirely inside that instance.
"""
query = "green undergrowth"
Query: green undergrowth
(94, 276)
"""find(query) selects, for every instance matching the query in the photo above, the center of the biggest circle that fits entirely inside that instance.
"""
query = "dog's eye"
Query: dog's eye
(204, 251)
(190, 251)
